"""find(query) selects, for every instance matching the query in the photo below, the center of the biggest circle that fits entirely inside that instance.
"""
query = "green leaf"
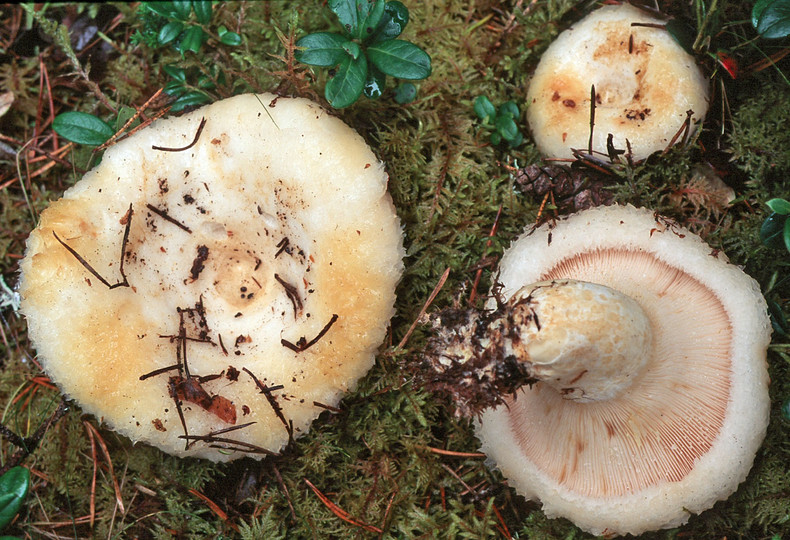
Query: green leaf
(203, 10)
(778, 318)
(375, 83)
(346, 11)
(484, 109)
(780, 206)
(169, 32)
(193, 97)
(192, 39)
(175, 88)
(227, 37)
(14, 485)
(165, 9)
(321, 49)
(400, 59)
(182, 8)
(774, 21)
(772, 231)
(495, 138)
(405, 93)
(683, 34)
(786, 234)
(82, 128)
(506, 127)
(394, 20)
(347, 84)
(509, 108)
(757, 10)
(369, 16)
(175, 72)
(352, 49)
(516, 141)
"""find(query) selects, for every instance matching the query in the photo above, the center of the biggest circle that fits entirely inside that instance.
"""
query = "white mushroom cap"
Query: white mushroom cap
(267, 252)
(644, 85)
(684, 434)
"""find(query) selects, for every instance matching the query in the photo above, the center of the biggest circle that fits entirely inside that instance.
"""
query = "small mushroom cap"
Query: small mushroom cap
(644, 85)
(686, 431)
(266, 253)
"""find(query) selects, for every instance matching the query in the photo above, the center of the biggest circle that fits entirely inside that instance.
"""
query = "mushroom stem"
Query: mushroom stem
(585, 340)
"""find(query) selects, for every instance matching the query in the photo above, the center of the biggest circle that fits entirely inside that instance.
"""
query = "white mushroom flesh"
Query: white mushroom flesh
(269, 249)
(684, 434)
(644, 81)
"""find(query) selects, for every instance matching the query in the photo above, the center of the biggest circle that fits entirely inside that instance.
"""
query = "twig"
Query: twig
(431, 298)
(339, 512)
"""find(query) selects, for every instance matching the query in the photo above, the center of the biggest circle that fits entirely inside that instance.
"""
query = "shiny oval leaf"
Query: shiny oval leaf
(82, 128)
(773, 229)
(405, 93)
(774, 21)
(394, 20)
(165, 9)
(375, 83)
(175, 72)
(169, 32)
(758, 9)
(400, 59)
(203, 10)
(321, 49)
(780, 206)
(509, 108)
(369, 15)
(346, 11)
(14, 485)
(506, 127)
(352, 49)
(227, 37)
(189, 99)
(345, 87)
(182, 8)
(192, 39)
(484, 109)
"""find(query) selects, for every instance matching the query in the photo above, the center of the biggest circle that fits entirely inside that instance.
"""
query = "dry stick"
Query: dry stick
(285, 490)
(103, 446)
(291, 292)
(28, 444)
(302, 344)
(278, 411)
(125, 283)
(138, 111)
(187, 147)
(164, 215)
(592, 119)
(431, 298)
(339, 512)
(443, 452)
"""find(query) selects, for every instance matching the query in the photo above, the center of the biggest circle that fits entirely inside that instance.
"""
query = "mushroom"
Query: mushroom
(219, 279)
(639, 355)
(648, 92)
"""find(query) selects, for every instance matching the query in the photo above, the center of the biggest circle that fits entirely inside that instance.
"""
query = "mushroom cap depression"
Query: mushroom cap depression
(219, 275)
(644, 85)
(684, 434)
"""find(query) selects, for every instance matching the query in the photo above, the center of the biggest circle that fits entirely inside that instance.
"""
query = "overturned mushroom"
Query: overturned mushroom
(615, 81)
(219, 279)
(640, 356)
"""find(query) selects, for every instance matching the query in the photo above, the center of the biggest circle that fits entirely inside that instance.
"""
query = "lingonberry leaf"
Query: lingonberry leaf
(346, 11)
(227, 37)
(375, 82)
(758, 9)
(82, 128)
(400, 59)
(773, 229)
(394, 20)
(321, 49)
(509, 108)
(506, 127)
(484, 109)
(14, 485)
(353, 49)
(165, 9)
(345, 87)
(774, 20)
(189, 99)
(182, 8)
(169, 32)
(202, 10)
(369, 15)
(192, 39)
(780, 206)
(175, 72)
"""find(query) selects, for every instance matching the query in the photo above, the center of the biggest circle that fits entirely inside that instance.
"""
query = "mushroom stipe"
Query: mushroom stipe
(258, 217)
(640, 353)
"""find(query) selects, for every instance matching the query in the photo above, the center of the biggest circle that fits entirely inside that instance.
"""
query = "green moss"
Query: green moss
(374, 460)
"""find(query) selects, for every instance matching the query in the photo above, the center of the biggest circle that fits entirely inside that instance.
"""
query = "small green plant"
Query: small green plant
(775, 231)
(366, 52)
(500, 120)
(771, 18)
(14, 485)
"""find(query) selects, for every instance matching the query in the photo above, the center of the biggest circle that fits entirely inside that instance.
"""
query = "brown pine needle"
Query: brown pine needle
(479, 272)
(430, 300)
(442, 452)
(214, 508)
(103, 446)
(339, 512)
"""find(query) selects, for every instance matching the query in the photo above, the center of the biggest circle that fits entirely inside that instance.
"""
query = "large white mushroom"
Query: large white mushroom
(619, 69)
(219, 279)
(644, 350)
